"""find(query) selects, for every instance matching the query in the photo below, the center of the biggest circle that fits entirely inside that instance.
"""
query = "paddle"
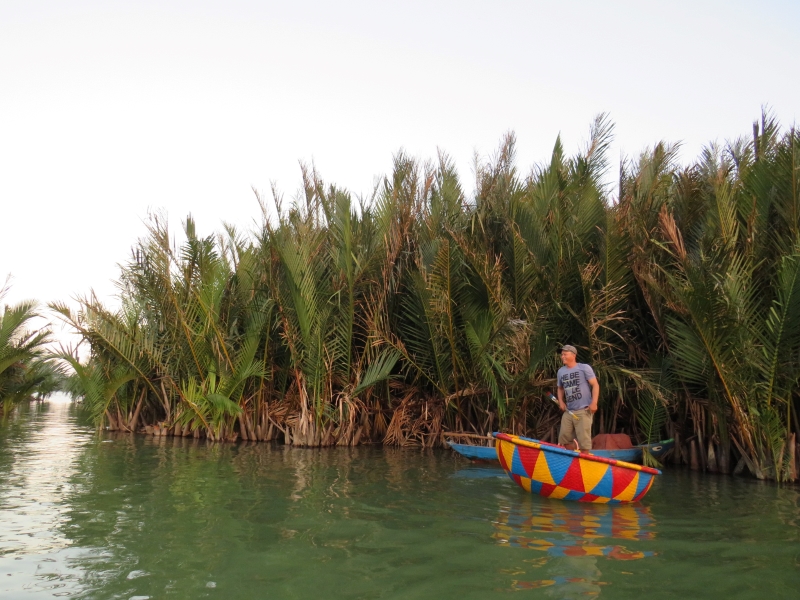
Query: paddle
(550, 396)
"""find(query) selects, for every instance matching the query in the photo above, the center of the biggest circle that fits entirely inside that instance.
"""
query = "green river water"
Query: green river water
(88, 515)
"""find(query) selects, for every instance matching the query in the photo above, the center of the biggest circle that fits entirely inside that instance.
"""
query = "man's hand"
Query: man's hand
(593, 407)
(562, 406)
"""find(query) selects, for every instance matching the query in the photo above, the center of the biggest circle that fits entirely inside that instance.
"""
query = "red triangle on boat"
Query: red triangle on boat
(622, 478)
(573, 479)
(547, 489)
(528, 458)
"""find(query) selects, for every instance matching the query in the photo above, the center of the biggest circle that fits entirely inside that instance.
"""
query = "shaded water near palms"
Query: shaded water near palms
(88, 515)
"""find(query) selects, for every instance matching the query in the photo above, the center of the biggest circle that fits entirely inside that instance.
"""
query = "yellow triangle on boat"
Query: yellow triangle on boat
(507, 448)
(559, 492)
(541, 472)
(592, 473)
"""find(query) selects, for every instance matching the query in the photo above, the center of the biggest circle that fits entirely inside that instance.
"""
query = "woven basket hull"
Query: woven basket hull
(555, 472)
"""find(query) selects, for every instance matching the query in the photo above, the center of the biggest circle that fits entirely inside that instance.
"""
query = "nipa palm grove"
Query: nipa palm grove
(424, 310)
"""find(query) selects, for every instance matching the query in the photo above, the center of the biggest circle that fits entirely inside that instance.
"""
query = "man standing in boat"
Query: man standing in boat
(578, 391)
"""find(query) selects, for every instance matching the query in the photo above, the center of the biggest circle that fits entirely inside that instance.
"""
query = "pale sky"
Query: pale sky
(109, 109)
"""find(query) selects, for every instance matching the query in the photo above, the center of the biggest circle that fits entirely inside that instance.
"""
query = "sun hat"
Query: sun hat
(569, 348)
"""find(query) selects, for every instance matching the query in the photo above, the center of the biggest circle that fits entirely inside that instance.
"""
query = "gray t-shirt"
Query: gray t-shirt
(575, 381)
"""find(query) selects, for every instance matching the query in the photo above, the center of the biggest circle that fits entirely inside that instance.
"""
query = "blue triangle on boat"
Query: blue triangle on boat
(604, 487)
(536, 486)
(558, 465)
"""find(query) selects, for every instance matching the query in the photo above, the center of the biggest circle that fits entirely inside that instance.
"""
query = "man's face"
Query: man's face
(567, 357)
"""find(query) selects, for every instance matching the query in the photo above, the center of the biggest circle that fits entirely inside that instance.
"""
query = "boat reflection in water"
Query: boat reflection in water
(573, 537)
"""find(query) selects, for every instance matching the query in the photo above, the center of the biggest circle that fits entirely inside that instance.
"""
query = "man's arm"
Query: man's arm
(560, 392)
(593, 383)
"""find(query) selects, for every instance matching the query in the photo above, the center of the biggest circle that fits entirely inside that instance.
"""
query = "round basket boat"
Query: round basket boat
(555, 472)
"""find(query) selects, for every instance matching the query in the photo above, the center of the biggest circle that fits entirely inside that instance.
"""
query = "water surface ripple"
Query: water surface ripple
(88, 515)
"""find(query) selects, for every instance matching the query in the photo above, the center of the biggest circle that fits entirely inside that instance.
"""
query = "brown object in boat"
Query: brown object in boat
(611, 441)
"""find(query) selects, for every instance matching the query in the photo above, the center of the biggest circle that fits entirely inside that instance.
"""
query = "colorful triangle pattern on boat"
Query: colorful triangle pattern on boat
(555, 472)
